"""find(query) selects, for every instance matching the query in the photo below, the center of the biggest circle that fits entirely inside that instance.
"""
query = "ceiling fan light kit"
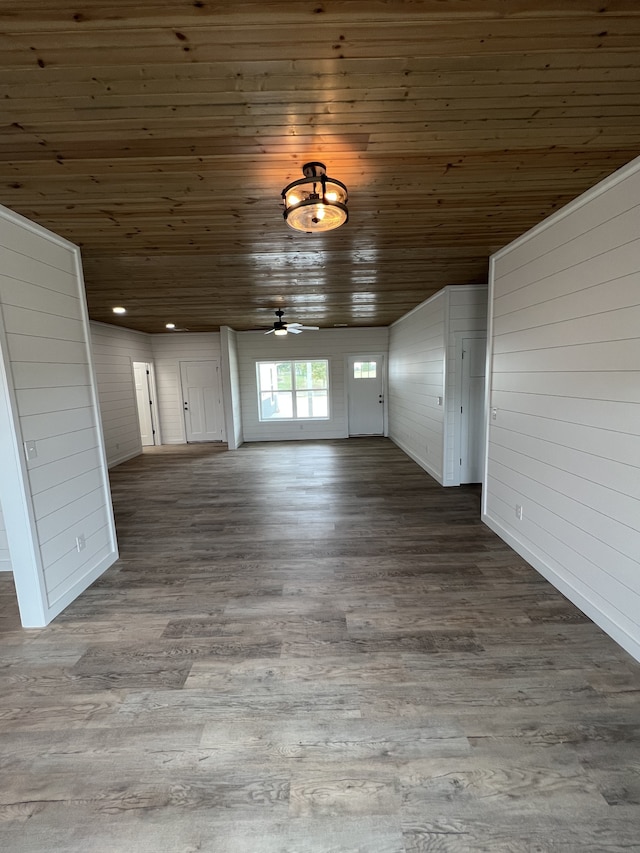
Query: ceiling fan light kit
(315, 203)
(282, 328)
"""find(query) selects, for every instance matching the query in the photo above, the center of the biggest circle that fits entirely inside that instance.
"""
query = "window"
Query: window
(364, 369)
(293, 390)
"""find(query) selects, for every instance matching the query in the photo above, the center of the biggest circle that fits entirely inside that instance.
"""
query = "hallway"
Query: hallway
(312, 647)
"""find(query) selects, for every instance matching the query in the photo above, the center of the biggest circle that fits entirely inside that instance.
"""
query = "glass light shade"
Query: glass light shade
(316, 202)
(280, 332)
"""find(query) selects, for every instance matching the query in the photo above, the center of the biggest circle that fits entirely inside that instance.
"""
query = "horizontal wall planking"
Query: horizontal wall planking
(622, 477)
(51, 424)
(610, 385)
(61, 575)
(606, 442)
(115, 393)
(59, 447)
(33, 271)
(622, 323)
(49, 476)
(601, 414)
(17, 242)
(620, 355)
(65, 542)
(37, 324)
(120, 414)
(567, 299)
(592, 214)
(44, 401)
(30, 375)
(619, 507)
(39, 297)
(622, 544)
(44, 350)
(578, 569)
(78, 509)
(599, 269)
(619, 239)
(66, 492)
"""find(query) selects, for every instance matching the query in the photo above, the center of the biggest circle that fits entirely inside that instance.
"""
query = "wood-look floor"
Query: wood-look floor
(313, 648)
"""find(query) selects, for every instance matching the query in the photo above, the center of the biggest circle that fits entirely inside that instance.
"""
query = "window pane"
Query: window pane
(284, 376)
(276, 405)
(364, 369)
(312, 404)
(319, 374)
(303, 408)
(303, 374)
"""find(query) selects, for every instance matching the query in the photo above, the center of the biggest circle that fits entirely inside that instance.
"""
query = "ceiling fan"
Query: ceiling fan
(280, 327)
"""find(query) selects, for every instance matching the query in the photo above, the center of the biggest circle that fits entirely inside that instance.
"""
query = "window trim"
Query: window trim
(293, 361)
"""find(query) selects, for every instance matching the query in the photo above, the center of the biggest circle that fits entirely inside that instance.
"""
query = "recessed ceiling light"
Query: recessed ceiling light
(119, 310)
(170, 326)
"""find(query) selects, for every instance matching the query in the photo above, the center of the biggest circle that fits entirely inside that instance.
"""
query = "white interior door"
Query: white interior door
(365, 388)
(141, 375)
(472, 409)
(202, 400)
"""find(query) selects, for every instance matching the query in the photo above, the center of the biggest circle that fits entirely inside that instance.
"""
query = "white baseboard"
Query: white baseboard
(421, 462)
(589, 607)
(124, 458)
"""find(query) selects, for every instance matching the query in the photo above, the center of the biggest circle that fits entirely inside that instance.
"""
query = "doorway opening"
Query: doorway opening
(365, 390)
(145, 400)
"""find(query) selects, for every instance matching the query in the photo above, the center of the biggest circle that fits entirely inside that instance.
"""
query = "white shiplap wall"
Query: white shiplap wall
(49, 398)
(333, 344)
(565, 444)
(168, 352)
(114, 349)
(5, 557)
(416, 381)
(467, 316)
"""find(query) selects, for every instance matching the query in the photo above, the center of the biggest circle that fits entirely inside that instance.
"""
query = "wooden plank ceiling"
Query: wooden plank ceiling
(159, 134)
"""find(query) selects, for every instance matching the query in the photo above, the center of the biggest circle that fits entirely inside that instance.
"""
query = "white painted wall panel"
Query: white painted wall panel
(417, 347)
(49, 398)
(5, 557)
(168, 352)
(565, 316)
(114, 349)
(333, 344)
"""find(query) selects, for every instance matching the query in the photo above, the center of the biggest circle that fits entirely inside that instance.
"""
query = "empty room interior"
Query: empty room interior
(320, 426)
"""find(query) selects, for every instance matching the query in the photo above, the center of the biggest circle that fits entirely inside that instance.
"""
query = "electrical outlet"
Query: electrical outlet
(494, 414)
(519, 512)
(439, 401)
(81, 542)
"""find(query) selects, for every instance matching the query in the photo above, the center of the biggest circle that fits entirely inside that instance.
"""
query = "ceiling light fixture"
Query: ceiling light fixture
(316, 202)
(119, 310)
(170, 326)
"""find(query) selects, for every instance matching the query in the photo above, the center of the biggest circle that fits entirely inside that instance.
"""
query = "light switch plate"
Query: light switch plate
(30, 449)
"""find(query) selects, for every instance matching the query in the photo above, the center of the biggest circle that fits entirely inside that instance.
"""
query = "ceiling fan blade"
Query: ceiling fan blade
(293, 331)
(270, 332)
(309, 328)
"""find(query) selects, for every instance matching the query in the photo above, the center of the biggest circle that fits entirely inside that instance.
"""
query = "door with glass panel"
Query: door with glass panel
(365, 388)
